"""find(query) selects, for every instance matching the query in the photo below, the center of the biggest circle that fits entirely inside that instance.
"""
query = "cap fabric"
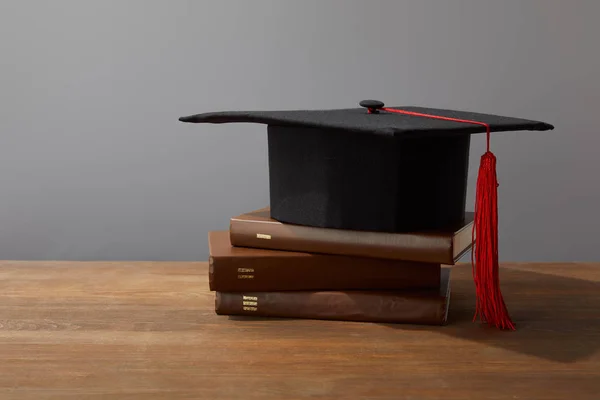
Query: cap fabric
(368, 169)
(381, 123)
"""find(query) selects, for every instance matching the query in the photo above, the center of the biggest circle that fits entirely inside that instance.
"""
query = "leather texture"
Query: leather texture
(252, 230)
(428, 307)
(236, 269)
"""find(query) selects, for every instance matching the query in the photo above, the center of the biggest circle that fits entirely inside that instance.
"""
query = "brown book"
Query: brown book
(235, 269)
(425, 307)
(258, 230)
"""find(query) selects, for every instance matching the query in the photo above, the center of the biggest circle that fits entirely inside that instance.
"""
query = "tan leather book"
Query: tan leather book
(424, 307)
(235, 269)
(258, 230)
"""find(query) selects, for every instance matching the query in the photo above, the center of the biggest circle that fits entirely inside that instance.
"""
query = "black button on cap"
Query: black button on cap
(372, 105)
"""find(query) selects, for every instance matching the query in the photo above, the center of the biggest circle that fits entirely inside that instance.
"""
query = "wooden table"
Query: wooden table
(96, 330)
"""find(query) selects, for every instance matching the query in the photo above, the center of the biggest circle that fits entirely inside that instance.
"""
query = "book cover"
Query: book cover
(424, 307)
(258, 230)
(234, 269)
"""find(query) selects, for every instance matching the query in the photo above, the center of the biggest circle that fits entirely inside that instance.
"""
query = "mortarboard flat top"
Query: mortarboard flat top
(367, 168)
(381, 123)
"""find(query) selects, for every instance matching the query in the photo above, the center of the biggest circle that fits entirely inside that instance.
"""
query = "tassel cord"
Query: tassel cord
(490, 306)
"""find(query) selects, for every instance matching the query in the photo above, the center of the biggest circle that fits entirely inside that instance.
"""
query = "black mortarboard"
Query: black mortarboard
(375, 168)
(351, 169)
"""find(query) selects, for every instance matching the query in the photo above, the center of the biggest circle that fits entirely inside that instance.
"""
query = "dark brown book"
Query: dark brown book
(424, 307)
(235, 269)
(258, 230)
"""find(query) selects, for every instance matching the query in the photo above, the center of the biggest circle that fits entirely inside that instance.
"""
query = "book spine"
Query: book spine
(397, 246)
(383, 307)
(319, 272)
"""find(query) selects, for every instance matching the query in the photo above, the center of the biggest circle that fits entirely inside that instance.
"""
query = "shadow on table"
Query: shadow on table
(557, 318)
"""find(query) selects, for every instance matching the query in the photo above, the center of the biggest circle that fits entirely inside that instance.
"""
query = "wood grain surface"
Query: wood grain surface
(147, 330)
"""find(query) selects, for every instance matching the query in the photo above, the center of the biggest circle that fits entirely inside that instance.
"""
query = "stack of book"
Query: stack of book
(263, 267)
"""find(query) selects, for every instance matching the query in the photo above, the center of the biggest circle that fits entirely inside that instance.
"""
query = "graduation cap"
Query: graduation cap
(386, 169)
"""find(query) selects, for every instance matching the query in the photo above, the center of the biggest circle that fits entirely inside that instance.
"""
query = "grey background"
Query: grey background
(95, 165)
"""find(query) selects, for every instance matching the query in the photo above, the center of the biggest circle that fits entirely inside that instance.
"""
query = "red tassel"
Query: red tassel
(490, 304)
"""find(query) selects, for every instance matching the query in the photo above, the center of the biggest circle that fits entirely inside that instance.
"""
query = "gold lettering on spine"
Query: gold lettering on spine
(249, 303)
(245, 273)
(263, 236)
